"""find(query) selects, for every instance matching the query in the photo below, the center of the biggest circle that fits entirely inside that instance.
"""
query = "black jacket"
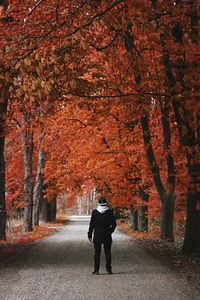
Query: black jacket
(103, 225)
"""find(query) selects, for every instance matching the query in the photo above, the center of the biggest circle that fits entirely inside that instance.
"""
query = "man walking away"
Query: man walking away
(102, 224)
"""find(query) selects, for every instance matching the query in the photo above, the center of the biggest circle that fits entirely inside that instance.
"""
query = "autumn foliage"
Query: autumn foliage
(105, 93)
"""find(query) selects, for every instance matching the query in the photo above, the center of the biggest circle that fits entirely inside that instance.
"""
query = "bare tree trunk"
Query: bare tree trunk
(167, 217)
(192, 232)
(143, 212)
(134, 218)
(3, 112)
(53, 208)
(167, 197)
(44, 206)
(38, 189)
(27, 147)
(49, 210)
(190, 139)
(87, 204)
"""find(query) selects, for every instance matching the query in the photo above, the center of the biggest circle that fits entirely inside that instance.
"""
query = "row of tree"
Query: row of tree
(113, 89)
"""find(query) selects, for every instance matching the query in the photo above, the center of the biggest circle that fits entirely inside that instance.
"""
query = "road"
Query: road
(59, 267)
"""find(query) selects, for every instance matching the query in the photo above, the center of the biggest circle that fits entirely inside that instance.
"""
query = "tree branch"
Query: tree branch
(34, 7)
(120, 95)
(109, 44)
(57, 9)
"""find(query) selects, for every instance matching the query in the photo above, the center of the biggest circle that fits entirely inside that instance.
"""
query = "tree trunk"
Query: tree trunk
(49, 210)
(38, 189)
(53, 209)
(3, 112)
(167, 217)
(190, 140)
(27, 147)
(129, 44)
(134, 218)
(168, 200)
(189, 137)
(192, 232)
(191, 243)
(44, 206)
(142, 218)
(5, 80)
(143, 212)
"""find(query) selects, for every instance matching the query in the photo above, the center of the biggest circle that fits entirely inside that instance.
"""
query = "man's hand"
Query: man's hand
(89, 238)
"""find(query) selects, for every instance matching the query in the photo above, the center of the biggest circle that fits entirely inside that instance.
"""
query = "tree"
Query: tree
(106, 71)
(39, 183)
(3, 108)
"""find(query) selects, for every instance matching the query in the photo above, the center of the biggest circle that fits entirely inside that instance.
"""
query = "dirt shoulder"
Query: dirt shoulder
(169, 254)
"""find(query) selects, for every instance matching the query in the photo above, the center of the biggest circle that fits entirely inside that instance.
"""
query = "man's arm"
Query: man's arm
(91, 226)
(113, 222)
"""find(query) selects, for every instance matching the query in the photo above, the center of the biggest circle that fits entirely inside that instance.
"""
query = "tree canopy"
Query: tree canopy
(105, 92)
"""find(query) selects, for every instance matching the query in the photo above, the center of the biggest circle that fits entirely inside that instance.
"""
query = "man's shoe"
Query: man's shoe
(109, 272)
(95, 272)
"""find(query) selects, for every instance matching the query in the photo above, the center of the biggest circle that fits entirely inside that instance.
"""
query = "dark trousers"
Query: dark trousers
(107, 250)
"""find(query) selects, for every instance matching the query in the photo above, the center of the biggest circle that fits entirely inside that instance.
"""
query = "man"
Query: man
(103, 224)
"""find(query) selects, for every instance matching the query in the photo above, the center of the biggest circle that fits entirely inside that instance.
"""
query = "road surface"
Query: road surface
(59, 268)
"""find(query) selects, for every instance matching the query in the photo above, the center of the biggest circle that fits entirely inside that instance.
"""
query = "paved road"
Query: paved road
(59, 268)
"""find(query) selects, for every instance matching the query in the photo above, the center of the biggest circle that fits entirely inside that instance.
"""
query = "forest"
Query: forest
(101, 94)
